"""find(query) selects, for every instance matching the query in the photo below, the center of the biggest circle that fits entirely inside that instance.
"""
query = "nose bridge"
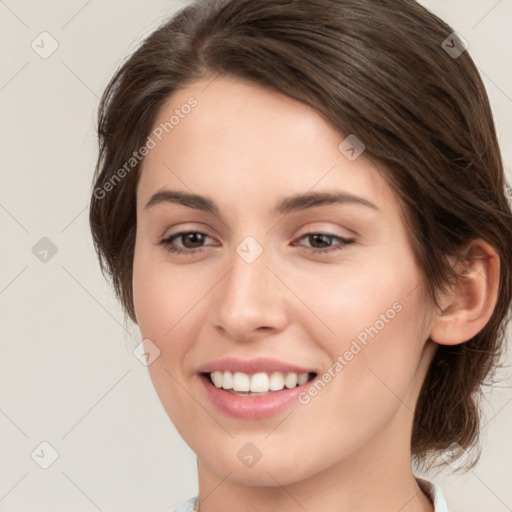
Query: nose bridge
(249, 296)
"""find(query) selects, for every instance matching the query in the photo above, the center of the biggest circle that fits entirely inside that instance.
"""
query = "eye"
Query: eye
(323, 238)
(194, 238)
(192, 242)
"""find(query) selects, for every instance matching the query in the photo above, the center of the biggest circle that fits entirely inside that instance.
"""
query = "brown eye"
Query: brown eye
(191, 242)
(324, 240)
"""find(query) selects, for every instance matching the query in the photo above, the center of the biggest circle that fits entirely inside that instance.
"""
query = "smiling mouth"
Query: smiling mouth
(256, 384)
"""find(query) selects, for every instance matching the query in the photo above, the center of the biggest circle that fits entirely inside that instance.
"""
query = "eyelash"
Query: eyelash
(167, 243)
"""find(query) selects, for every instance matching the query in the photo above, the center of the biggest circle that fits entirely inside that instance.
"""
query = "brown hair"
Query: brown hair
(374, 69)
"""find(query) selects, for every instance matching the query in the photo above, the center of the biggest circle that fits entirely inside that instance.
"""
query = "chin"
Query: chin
(269, 471)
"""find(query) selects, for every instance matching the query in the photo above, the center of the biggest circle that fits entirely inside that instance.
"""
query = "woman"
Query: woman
(302, 206)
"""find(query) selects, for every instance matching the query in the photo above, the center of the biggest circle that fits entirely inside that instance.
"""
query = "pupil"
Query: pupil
(316, 237)
(194, 236)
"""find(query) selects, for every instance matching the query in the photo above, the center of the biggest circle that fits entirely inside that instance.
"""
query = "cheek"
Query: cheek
(358, 302)
(156, 308)
(158, 294)
(147, 296)
(376, 319)
(167, 301)
(161, 304)
(378, 361)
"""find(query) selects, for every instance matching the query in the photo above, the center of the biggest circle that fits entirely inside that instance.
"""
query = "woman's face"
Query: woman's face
(263, 276)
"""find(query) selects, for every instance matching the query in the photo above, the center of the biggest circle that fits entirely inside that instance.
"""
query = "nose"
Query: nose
(250, 300)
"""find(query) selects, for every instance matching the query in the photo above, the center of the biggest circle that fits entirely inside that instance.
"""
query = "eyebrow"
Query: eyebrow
(286, 205)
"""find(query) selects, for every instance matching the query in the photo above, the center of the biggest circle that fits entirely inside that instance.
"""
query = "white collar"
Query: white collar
(434, 493)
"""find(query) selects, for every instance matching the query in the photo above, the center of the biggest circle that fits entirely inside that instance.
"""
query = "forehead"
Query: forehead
(242, 140)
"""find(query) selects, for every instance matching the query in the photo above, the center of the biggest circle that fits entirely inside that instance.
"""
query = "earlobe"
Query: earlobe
(469, 306)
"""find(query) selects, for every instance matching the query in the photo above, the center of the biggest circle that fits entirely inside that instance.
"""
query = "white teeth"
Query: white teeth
(217, 379)
(258, 382)
(228, 380)
(276, 381)
(302, 379)
(241, 381)
(290, 380)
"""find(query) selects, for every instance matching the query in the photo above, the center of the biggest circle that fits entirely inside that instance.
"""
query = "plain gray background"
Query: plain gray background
(67, 373)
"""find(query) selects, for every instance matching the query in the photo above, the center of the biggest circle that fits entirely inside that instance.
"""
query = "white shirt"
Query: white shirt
(432, 491)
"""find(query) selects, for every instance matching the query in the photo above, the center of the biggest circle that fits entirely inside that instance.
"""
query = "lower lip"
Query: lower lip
(252, 407)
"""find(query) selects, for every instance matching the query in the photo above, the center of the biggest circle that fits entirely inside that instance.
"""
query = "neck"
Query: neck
(378, 477)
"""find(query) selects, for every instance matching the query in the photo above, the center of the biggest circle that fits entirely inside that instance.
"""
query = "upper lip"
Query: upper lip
(250, 366)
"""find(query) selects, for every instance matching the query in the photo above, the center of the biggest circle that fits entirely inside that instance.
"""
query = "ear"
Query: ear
(469, 306)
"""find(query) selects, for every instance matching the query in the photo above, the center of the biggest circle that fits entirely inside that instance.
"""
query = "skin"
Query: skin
(246, 148)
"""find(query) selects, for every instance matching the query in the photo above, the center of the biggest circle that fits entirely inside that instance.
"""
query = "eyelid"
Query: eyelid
(326, 231)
